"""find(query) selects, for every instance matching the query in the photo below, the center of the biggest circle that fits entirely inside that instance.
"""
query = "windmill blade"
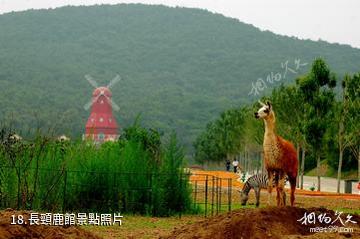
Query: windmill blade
(91, 81)
(113, 104)
(115, 80)
(88, 104)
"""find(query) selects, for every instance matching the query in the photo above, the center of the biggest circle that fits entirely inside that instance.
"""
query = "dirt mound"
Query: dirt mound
(39, 231)
(271, 222)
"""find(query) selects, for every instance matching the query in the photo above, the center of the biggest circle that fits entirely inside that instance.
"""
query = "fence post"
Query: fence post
(195, 193)
(64, 192)
(217, 195)
(229, 193)
(212, 196)
(206, 194)
(220, 200)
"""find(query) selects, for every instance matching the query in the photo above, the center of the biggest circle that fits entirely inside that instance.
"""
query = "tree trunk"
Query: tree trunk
(246, 161)
(341, 151)
(318, 172)
(298, 158)
(249, 161)
(303, 152)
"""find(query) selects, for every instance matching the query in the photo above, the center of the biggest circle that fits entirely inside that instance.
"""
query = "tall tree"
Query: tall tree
(342, 113)
(231, 128)
(317, 87)
(352, 96)
(290, 110)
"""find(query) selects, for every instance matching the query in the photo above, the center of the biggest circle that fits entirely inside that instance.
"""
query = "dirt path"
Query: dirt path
(199, 175)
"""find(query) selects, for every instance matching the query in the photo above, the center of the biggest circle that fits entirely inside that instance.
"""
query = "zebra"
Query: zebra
(257, 182)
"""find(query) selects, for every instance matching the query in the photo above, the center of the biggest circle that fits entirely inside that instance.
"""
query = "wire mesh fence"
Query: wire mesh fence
(211, 194)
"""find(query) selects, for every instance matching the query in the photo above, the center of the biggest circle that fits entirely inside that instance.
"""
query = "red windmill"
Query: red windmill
(101, 125)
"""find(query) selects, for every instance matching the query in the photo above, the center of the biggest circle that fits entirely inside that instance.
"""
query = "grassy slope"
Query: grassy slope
(327, 171)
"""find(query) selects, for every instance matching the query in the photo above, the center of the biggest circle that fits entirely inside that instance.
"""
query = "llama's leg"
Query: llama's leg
(284, 198)
(257, 195)
(276, 185)
(292, 181)
(280, 189)
(270, 185)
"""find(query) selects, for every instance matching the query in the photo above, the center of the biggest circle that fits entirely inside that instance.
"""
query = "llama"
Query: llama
(257, 182)
(279, 156)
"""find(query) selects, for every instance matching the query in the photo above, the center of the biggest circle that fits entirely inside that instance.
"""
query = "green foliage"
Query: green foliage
(180, 67)
(166, 201)
(332, 155)
(223, 139)
(318, 100)
(290, 110)
(149, 139)
(352, 106)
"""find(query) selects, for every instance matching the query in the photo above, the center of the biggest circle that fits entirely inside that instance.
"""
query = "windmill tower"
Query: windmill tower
(101, 125)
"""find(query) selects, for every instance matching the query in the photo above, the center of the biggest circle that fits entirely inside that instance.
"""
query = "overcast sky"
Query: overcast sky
(330, 20)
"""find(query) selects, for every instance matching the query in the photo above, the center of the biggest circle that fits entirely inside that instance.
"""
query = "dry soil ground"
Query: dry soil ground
(263, 223)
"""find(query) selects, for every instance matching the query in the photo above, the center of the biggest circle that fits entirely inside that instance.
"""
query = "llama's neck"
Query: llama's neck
(270, 130)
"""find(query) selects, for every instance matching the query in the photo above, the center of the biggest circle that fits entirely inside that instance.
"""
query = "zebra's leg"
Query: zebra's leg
(270, 185)
(280, 189)
(257, 195)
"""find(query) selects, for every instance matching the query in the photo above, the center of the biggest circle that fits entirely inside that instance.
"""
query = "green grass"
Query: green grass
(348, 210)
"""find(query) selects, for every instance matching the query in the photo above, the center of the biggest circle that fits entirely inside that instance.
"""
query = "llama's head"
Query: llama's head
(264, 111)
(243, 197)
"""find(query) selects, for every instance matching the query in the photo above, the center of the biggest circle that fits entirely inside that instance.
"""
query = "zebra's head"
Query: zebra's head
(243, 197)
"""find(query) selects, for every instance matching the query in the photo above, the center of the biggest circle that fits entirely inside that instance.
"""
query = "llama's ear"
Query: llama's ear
(269, 105)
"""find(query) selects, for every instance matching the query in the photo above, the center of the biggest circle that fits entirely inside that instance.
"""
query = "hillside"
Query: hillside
(180, 67)
(327, 171)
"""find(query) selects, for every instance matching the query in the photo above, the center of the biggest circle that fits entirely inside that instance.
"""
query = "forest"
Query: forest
(323, 128)
(180, 67)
